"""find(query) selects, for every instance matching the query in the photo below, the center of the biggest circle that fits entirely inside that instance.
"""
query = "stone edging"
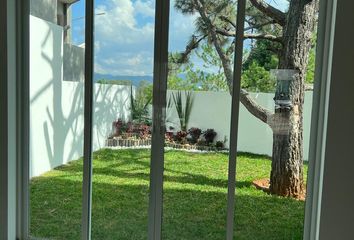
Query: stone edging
(146, 143)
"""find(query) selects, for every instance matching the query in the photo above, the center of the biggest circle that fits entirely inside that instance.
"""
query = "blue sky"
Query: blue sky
(124, 34)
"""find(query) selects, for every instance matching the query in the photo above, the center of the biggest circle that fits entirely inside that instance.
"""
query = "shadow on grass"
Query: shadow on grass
(138, 162)
(120, 212)
(194, 200)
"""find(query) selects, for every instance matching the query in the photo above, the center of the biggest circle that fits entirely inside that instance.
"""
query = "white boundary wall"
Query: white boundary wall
(56, 111)
(213, 110)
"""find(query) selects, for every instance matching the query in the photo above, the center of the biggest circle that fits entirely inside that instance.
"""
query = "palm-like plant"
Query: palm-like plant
(139, 106)
(183, 111)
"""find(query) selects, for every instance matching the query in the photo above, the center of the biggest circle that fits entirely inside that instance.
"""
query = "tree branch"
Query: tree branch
(225, 19)
(265, 36)
(225, 60)
(193, 44)
(260, 25)
(251, 36)
(270, 11)
(254, 108)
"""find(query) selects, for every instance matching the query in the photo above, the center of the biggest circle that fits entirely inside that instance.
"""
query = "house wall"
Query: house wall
(56, 106)
(44, 9)
(52, 11)
(73, 63)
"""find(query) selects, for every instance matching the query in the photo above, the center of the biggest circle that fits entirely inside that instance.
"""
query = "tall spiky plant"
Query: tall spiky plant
(139, 106)
(183, 112)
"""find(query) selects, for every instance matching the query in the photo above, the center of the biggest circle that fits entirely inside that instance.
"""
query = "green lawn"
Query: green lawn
(194, 199)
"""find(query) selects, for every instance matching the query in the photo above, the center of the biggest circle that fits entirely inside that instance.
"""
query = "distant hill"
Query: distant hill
(134, 79)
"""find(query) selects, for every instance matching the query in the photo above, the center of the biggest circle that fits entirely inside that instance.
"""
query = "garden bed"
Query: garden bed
(120, 142)
(136, 135)
(136, 143)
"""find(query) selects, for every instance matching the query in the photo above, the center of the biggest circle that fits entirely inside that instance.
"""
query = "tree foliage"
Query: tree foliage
(187, 76)
(257, 79)
(261, 54)
(115, 82)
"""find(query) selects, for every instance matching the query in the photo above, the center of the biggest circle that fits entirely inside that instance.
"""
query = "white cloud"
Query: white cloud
(118, 22)
(146, 8)
(125, 33)
(97, 46)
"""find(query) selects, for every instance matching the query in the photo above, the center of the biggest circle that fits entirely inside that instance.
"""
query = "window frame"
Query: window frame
(318, 125)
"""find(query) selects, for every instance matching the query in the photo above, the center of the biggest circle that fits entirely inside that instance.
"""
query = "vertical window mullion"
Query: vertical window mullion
(319, 115)
(88, 120)
(235, 105)
(159, 105)
(23, 117)
(4, 204)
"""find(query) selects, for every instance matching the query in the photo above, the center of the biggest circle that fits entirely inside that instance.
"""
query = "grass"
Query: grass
(195, 191)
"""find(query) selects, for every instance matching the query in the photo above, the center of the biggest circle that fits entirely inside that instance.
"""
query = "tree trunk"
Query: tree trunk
(286, 178)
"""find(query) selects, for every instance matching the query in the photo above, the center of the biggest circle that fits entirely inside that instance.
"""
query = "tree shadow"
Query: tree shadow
(132, 165)
(57, 106)
(119, 211)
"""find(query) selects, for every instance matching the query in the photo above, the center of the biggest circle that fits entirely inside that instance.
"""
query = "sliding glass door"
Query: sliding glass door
(198, 119)
(122, 118)
(169, 119)
(274, 120)
(56, 105)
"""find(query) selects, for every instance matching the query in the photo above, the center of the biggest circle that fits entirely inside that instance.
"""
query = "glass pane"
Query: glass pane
(56, 119)
(198, 117)
(124, 46)
(274, 121)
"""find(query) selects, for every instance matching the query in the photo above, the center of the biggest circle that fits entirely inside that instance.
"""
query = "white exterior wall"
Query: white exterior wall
(57, 106)
(213, 110)
(44, 9)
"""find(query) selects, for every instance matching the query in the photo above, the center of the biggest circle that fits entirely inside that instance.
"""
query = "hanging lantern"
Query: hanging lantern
(283, 78)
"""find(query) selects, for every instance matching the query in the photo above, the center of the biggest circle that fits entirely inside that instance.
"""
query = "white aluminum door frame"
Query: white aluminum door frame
(4, 156)
(235, 108)
(319, 116)
(88, 121)
(159, 102)
(158, 120)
